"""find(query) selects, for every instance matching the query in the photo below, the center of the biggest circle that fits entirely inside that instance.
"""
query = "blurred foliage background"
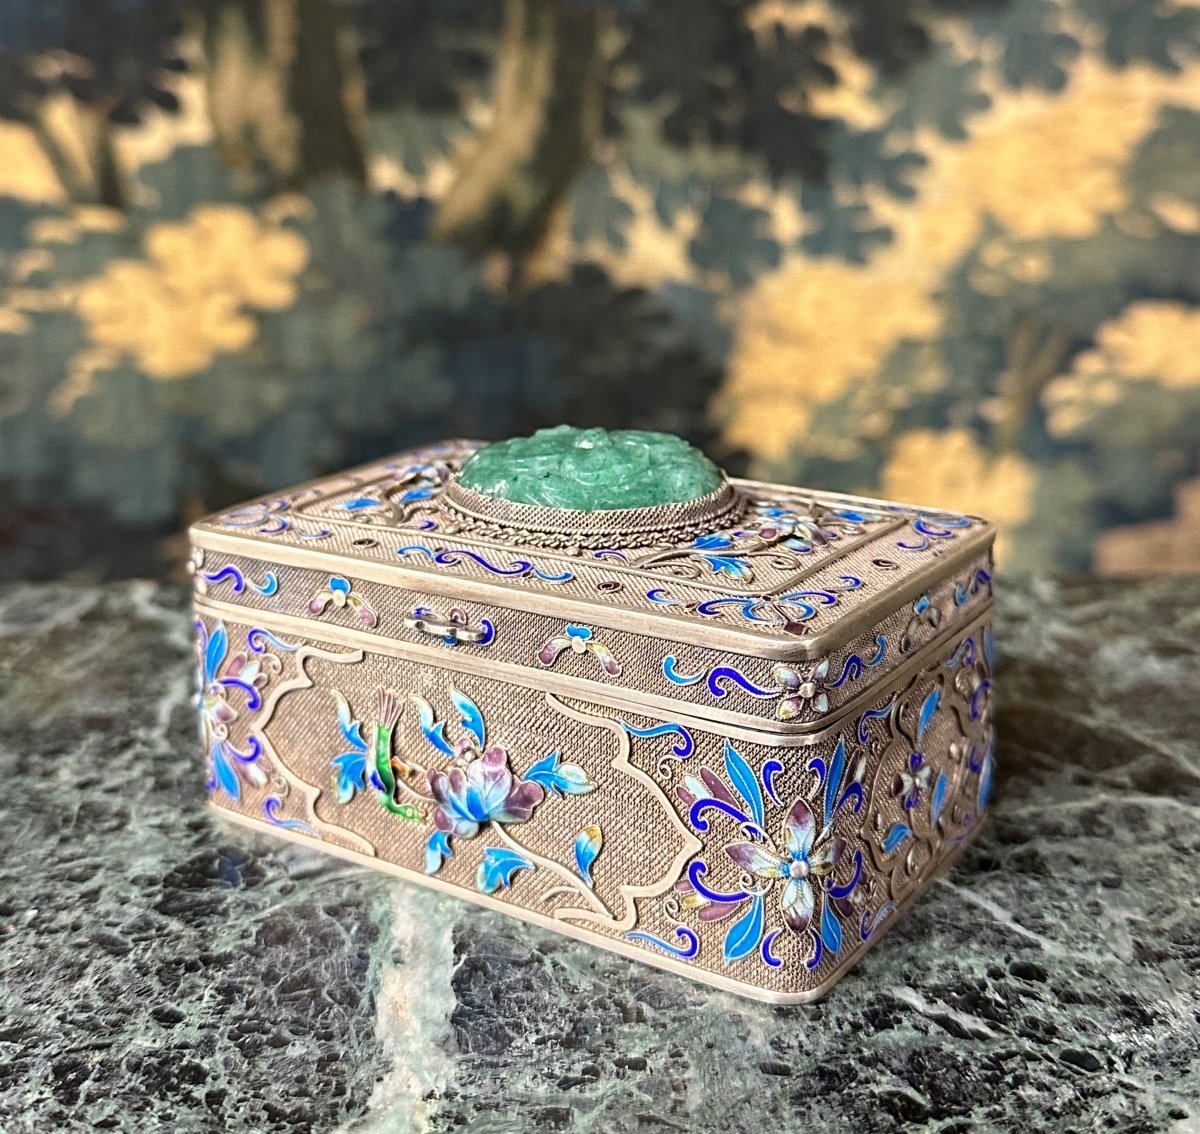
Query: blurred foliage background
(942, 250)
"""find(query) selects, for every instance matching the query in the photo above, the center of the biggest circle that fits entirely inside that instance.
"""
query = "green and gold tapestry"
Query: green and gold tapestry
(943, 251)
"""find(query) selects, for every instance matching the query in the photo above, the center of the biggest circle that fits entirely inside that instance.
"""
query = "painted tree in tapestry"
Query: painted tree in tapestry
(944, 252)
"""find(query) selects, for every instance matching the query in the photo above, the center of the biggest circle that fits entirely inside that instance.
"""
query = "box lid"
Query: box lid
(754, 568)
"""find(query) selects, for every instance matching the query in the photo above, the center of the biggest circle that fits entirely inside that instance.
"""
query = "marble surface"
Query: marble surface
(161, 970)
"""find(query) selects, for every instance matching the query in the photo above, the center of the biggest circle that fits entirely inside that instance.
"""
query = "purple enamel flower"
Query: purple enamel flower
(807, 858)
(911, 781)
(486, 791)
(798, 691)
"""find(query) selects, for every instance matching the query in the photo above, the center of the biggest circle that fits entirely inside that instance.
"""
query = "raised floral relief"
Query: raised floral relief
(800, 863)
(801, 691)
(484, 792)
(804, 860)
(798, 868)
(475, 793)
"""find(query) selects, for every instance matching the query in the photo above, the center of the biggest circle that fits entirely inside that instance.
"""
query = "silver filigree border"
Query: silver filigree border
(573, 529)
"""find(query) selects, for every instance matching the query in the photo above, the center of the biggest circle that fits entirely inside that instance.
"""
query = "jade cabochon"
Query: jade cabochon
(591, 469)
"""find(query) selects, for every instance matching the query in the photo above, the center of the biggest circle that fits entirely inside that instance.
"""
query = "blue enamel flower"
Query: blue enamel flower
(806, 858)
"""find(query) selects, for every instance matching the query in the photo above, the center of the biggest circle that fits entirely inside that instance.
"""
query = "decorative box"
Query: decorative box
(732, 736)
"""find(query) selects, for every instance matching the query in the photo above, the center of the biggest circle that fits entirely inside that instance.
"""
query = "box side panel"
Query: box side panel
(762, 868)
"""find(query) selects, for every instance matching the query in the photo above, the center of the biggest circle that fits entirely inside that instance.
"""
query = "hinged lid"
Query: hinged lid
(753, 568)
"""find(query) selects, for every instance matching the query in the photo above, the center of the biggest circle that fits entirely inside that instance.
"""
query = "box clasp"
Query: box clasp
(453, 629)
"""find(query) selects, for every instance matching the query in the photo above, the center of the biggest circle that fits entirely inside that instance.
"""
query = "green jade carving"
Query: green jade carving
(591, 469)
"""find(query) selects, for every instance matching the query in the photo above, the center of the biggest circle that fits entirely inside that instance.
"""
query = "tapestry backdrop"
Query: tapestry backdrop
(941, 250)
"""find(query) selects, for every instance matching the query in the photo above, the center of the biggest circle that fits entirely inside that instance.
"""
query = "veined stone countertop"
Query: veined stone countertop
(159, 969)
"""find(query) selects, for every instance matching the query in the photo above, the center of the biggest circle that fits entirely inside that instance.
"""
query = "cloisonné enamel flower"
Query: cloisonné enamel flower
(479, 789)
(799, 692)
(806, 858)
(912, 780)
(341, 596)
(485, 791)
(795, 530)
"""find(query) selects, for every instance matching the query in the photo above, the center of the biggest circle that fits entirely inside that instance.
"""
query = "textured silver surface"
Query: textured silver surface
(637, 800)
(710, 692)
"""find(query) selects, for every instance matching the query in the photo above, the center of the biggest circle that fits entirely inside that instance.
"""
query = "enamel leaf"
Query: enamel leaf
(587, 846)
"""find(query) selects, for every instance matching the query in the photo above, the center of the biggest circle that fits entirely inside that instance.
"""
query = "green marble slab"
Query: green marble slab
(158, 970)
